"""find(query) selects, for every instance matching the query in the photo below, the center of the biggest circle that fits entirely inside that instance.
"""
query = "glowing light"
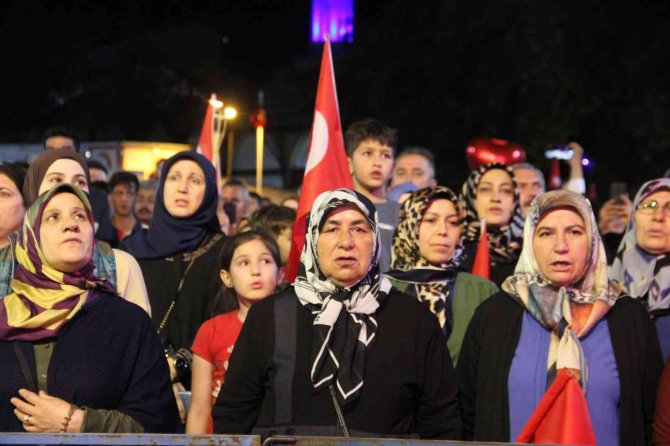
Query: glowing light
(229, 113)
(335, 17)
(471, 149)
(516, 154)
(215, 102)
(586, 162)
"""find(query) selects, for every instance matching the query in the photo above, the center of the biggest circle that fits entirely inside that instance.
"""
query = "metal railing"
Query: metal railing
(216, 440)
(130, 439)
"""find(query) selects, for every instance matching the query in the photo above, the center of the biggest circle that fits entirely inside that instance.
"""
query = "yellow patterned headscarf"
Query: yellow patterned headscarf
(44, 298)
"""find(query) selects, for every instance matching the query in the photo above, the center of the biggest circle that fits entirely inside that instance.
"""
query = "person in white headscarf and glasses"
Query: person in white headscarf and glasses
(341, 352)
(642, 262)
(559, 311)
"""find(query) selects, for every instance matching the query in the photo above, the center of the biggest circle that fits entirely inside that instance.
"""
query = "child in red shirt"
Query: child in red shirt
(250, 272)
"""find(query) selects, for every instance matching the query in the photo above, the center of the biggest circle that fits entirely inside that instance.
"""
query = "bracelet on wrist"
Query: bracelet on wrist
(68, 417)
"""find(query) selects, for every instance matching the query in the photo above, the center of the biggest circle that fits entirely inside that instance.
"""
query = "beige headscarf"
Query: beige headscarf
(550, 304)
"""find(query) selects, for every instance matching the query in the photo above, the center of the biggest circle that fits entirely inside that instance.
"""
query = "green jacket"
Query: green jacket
(469, 292)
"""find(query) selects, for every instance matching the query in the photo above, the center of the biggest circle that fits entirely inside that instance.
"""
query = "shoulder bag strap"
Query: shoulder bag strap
(205, 246)
(25, 369)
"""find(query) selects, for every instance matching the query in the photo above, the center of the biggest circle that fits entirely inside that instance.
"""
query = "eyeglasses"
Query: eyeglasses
(649, 207)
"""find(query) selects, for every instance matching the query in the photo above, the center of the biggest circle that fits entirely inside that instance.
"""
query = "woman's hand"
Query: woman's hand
(40, 412)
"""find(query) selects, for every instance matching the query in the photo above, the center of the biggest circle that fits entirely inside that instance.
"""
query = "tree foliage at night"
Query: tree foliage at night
(536, 72)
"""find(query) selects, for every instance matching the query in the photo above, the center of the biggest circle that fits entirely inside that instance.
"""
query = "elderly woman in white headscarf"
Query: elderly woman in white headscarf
(642, 263)
(340, 352)
(559, 311)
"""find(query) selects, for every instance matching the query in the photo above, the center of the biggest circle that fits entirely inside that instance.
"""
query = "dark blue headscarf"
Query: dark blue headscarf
(169, 235)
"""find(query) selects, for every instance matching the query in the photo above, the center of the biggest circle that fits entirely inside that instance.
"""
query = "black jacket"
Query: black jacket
(107, 357)
(409, 384)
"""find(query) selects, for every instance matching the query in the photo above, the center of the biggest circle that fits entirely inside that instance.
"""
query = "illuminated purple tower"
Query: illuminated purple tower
(334, 18)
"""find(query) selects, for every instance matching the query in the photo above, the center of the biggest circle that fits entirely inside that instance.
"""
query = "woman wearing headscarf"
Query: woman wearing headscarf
(98, 198)
(558, 311)
(642, 263)
(426, 259)
(55, 375)
(179, 252)
(341, 352)
(490, 194)
(57, 166)
(12, 209)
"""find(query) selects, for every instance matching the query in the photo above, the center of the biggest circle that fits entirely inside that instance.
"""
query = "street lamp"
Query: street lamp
(229, 114)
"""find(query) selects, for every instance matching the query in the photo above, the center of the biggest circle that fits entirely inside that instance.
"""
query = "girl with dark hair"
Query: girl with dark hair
(250, 271)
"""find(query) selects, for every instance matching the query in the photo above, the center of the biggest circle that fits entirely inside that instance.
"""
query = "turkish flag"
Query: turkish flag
(206, 143)
(327, 167)
(555, 177)
(482, 264)
(561, 417)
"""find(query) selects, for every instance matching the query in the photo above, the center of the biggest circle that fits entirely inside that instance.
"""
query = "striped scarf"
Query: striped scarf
(44, 298)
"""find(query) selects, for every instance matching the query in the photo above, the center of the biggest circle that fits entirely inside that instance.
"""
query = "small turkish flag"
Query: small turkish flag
(327, 166)
(206, 143)
(482, 264)
(555, 177)
(562, 416)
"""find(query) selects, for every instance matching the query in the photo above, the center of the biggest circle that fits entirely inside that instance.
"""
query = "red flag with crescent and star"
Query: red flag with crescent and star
(327, 167)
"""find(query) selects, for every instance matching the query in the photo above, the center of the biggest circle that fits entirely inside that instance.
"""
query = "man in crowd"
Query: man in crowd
(235, 199)
(123, 188)
(98, 171)
(530, 182)
(60, 138)
(146, 199)
(414, 165)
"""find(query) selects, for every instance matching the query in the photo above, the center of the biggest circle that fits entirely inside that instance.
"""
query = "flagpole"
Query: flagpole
(259, 119)
(229, 154)
(218, 127)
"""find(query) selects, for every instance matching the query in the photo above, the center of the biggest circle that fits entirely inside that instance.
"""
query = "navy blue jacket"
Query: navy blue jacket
(107, 357)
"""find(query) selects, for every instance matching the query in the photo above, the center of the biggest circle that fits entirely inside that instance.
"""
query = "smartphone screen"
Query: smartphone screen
(617, 189)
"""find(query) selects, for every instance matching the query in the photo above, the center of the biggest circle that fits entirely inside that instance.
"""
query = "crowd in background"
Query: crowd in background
(417, 310)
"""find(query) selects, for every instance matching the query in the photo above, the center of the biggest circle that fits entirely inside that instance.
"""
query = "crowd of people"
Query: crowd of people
(161, 306)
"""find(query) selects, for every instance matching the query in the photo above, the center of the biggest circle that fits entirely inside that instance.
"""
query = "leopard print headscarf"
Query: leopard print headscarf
(504, 242)
(430, 283)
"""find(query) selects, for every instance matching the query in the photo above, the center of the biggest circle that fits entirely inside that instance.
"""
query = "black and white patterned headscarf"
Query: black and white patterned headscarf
(344, 326)
(504, 242)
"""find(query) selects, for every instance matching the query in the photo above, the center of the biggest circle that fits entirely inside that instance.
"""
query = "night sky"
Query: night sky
(534, 71)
